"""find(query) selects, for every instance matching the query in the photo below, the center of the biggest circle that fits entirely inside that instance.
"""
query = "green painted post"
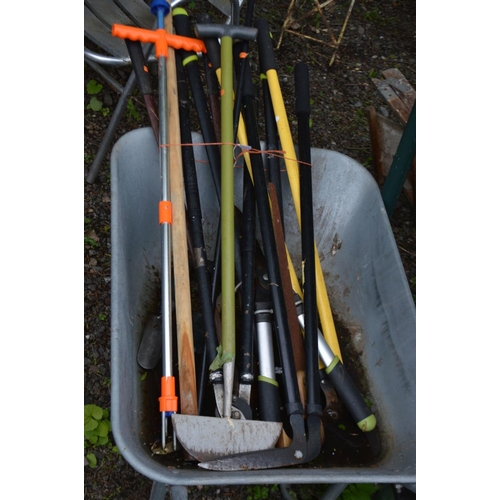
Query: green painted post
(401, 164)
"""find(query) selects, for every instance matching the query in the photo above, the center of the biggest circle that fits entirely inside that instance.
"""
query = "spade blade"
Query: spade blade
(294, 454)
(207, 438)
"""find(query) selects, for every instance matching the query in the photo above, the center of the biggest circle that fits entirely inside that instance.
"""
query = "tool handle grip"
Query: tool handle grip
(181, 22)
(350, 395)
(137, 58)
(211, 43)
(159, 6)
(135, 34)
(265, 45)
(269, 398)
(160, 38)
(269, 394)
(302, 103)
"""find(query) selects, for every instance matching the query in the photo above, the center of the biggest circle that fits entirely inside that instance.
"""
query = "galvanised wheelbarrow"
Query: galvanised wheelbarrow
(366, 284)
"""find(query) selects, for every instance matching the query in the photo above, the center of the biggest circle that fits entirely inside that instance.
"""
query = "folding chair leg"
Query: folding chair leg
(158, 491)
(178, 493)
(111, 130)
(105, 75)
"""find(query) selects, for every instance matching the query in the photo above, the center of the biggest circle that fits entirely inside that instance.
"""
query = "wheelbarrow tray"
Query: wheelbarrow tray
(366, 285)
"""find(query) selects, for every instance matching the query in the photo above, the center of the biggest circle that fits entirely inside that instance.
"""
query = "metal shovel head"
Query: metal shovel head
(207, 438)
(294, 454)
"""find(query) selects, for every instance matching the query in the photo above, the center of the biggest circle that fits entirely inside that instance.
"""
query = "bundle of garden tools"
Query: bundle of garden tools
(256, 402)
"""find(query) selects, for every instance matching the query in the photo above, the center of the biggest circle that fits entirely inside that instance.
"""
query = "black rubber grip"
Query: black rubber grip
(349, 393)
(269, 398)
(181, 23)
(265, 45)
(212, 44)
(302, 104)
(248, 87)
(137, 59)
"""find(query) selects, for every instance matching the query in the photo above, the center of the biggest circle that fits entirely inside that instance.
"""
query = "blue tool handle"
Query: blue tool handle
(160, 9)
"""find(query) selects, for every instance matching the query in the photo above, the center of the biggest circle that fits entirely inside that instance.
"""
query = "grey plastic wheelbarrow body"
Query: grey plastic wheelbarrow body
(365, 280)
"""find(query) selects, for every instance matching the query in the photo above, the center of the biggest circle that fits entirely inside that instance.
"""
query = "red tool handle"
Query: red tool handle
(160, 38)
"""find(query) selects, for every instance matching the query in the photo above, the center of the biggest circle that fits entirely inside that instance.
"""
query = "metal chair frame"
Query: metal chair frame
(99, 16)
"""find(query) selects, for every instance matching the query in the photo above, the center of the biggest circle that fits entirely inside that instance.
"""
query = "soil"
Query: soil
(379, 35)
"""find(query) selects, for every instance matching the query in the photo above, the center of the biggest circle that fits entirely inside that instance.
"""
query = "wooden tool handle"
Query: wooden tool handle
(293, 322)
(185, 346)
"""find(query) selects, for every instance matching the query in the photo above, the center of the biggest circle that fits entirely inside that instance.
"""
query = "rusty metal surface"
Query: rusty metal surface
(293, 322)
(385, 135)
(398, 93)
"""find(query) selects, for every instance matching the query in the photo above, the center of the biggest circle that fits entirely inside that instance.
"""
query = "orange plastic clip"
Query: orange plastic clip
(168, 399)
(165, 212)
(243, 55)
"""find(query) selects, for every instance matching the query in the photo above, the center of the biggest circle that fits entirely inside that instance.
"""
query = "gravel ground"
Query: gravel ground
(379, 35)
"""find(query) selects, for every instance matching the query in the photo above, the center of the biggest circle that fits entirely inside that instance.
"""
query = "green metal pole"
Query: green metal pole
(401, 164)
(227, 220)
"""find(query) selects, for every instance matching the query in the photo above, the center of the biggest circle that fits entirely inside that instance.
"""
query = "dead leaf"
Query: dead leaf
(91, 234)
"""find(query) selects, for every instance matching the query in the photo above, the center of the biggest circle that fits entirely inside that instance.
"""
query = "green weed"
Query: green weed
(93, 87)
(97, 427)
(131, 111)
(90, 241)
(362, 491)
(95, 104)
(258, 492)
(372, 15)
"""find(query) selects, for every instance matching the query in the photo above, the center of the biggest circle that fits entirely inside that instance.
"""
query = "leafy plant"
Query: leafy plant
(372, 16)
(96, 431)
(93, 87)
(131, 111)
(362, 491)
(372, 73)
(90, 241)
(96, 425)
(95, 104)
(92, 460)
(258, 492)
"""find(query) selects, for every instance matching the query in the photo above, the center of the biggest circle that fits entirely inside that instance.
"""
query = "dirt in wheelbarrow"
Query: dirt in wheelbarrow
(379, 35)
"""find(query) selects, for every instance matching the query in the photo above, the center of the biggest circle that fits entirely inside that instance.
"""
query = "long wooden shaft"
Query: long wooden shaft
(185, 346)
